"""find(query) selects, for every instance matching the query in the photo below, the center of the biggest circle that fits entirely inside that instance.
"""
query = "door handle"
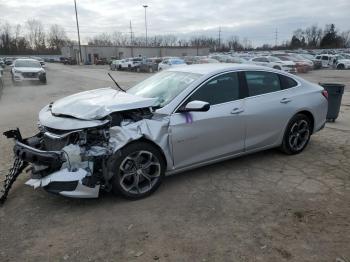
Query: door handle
(285, 100)
(236, 111)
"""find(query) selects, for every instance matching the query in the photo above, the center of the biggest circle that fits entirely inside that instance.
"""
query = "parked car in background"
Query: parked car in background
(69, 61)
(275, 63)
(8, 60)
(340, 62)
(206, 60)
(345, 55)
(176, 120)
(192, 59)
(101, 61)
(236, 60)
(317, 63)
(148, 65)
(301, 66)
(41, 61)
(326, 59)
(115, 64)
(130, 63)
(298, 58)
(171, 62)
(27, 70)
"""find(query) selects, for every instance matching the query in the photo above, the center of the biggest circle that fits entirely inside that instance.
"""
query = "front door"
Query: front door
(203, 136)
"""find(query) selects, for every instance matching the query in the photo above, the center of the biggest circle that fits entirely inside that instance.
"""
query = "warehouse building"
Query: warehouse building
(91, 53)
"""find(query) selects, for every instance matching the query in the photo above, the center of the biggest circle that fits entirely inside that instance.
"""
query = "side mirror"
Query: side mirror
(196, 106)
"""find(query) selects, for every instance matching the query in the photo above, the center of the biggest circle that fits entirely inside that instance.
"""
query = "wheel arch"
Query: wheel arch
(146, 140)
(308, 114)
(340, 66)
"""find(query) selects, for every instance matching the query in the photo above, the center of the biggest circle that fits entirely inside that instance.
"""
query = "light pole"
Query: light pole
(76, 16)
(145, 6)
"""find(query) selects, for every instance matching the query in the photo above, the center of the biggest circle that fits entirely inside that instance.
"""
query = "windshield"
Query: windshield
(165, 86)
(300, 58)
(177, 62)
(27, 63)
(307, 56)
(285, 58)
(274, 59)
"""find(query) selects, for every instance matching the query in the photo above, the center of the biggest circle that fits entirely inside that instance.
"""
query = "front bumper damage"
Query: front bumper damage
(60, 172)
(76, 162)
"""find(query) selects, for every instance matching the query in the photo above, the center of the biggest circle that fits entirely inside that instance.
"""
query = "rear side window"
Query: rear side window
(260, 82)
(221, 89)
(287, 82)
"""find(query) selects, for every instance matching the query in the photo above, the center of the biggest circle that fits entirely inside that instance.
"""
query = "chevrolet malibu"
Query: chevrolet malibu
(176, 120)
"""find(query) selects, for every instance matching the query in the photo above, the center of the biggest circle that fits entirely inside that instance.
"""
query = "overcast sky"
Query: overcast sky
(255, 19)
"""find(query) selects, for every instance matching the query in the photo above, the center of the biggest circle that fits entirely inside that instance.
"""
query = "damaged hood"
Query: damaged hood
(98, 103)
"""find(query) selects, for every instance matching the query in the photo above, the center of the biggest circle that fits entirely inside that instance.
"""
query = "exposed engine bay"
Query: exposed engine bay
(70, 156)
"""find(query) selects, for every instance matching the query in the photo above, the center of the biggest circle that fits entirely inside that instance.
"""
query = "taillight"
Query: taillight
(325, 94)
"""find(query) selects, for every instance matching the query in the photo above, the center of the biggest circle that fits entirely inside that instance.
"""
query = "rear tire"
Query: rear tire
(138, 170)
(297, 135)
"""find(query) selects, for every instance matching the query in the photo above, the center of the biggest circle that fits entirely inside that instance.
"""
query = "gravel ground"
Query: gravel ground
(262, 207)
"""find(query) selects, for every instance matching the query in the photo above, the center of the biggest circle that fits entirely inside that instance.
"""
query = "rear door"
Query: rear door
(268, 107)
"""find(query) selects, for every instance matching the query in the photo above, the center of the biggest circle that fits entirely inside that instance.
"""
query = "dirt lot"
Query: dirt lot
(262, 207)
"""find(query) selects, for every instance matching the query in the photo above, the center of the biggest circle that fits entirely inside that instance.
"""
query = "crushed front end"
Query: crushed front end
(71, 153)
(69, 163)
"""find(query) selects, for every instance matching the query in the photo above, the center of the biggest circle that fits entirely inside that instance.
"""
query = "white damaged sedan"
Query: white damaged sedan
(176, 120)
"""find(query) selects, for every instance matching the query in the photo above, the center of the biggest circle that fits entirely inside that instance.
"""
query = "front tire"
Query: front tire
(340, 67)
(137, 171)
(297, 135)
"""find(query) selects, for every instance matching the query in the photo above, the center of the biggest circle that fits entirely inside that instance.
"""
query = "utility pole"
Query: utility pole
(76, 16)
(276, 37)
(145, 6)
(131, 42)
(219, 38)
(131, 34)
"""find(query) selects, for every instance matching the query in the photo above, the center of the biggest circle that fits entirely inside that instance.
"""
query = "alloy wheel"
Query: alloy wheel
(299, 135)
(139, 172)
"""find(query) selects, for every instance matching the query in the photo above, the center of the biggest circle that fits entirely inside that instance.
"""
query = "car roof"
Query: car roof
(215, 68)
(26, 59)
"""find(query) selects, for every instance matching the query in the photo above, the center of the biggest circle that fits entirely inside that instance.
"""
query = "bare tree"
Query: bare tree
(36, 34)
(5, 37)
(101, 39)
(313, 36)
(57, 37)
(120, 39)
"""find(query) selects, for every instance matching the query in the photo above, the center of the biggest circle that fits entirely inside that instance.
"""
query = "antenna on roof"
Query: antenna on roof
(116, 83)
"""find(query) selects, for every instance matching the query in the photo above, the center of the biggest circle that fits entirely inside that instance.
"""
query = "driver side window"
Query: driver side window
(221, 89)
